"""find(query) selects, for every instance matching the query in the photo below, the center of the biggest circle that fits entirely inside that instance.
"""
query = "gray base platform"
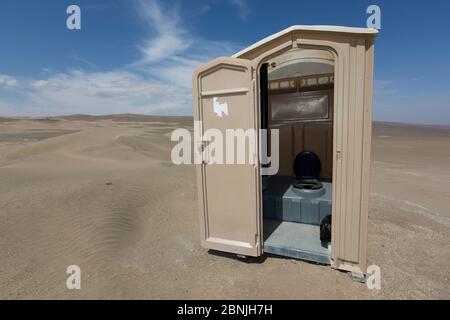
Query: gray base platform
(295, 240)
(283, 202)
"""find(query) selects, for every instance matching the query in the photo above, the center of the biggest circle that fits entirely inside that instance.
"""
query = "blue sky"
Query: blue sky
(137, 56)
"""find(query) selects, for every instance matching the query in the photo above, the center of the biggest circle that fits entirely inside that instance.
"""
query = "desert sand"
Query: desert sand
(102, 193)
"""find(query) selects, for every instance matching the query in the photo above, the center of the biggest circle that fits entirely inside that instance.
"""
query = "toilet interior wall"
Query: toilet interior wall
(297, 98)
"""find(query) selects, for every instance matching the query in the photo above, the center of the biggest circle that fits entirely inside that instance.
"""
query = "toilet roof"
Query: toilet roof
(338, 29)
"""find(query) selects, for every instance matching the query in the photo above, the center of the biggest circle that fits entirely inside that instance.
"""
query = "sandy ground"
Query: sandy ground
(103, 194)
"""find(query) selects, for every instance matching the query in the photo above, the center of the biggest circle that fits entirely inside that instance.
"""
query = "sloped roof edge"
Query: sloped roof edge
(339, 29)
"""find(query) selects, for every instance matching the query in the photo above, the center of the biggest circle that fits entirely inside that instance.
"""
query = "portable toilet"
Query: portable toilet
(313, 84)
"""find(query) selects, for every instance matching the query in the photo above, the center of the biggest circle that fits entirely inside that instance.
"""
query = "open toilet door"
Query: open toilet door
(224, 98)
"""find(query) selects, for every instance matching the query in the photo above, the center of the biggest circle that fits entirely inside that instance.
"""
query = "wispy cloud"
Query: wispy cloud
(176, 50)
(7, 81)
(170, 38)
(242, 7)
(97, 93)
(84, 61)
(385, 87)
(403, 99)
(158, 83)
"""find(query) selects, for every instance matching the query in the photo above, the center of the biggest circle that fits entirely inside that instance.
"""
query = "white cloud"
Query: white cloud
(102, 93)
(159, 83)
(39, 83)
(170, 37)
(7, 81)
(176, 50)
(178, 69)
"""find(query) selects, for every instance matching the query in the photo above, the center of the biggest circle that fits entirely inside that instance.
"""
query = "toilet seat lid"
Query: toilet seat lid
(307, 165)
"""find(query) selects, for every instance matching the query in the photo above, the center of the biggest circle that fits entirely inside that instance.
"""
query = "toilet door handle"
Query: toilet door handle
(205, 152)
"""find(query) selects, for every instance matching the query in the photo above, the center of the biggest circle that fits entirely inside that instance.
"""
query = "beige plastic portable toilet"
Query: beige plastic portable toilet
(313, 84)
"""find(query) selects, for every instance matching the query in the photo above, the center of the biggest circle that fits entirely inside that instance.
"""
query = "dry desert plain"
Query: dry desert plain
(102, 193)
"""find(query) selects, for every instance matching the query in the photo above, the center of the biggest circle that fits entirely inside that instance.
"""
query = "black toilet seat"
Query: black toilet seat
(307, 167)
(310, 184)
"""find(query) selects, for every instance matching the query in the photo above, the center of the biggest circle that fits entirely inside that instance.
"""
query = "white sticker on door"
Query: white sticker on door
(220, 108)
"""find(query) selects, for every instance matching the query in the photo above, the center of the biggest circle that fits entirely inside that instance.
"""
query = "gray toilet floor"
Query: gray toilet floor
(295, 240)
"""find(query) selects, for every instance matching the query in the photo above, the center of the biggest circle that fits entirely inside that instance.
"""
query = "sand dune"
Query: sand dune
(102, 193)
